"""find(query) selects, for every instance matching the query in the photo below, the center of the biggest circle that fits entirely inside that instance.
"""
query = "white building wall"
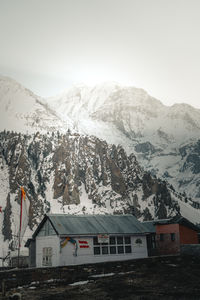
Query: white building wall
(86, 255)
(139, 251)
(47, 241)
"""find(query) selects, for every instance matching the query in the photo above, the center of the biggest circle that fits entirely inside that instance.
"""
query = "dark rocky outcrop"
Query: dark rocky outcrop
(62, 170)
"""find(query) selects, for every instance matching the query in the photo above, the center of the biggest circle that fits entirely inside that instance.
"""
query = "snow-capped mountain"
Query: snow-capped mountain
(60, 158)
(155, 133)
(132, 111)
(142, 124)
(22, 111)
(76, 174)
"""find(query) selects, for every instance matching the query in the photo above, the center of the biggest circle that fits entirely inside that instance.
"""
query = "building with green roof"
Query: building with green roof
(63, 239)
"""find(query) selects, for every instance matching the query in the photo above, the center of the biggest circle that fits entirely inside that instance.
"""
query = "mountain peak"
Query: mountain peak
(183, 107)
(22, 110)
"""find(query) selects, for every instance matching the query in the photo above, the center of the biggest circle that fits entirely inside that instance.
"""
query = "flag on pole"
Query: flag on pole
(23, 216)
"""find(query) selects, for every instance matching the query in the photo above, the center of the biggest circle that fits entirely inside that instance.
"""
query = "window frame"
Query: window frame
(47, 256)
(173, 236)
(161, 237)
(118, 245)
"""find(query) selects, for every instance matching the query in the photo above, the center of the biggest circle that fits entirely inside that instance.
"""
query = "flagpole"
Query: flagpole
(20, 224)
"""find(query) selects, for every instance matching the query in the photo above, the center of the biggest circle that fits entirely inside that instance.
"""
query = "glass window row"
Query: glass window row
(115, 245)
(114, 240)
(112, 249)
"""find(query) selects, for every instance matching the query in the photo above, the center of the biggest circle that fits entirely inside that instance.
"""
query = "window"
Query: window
(116, 245)
(112, 240)
(172, 237)
(97, 248)
(127, 249)
(120, 240)
(127, 239)
(95, 241)
(47, 256)
(97, 251)
(120, 249)
(104, 250)
(112, 250)
(162, 237)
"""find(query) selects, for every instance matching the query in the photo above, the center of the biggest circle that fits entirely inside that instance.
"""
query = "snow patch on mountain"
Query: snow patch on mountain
(155, 133)
(164, 139)
(188, 211)
(22, 111)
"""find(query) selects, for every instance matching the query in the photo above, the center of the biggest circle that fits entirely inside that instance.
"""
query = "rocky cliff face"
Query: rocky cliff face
(74, 174)
(142, 125)
(121, 115)
(80, 173)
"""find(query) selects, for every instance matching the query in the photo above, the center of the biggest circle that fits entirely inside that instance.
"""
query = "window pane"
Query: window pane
(112, 240)
(112, 250)
(172, 237)
(120, 249)
(127, 239)
(120, 240)
(128, 249)
(47, 254)
(104, 250)
(162, 237)
(95, 241)
(96, 250)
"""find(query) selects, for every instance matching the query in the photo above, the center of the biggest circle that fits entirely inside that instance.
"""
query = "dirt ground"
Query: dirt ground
(170, 278)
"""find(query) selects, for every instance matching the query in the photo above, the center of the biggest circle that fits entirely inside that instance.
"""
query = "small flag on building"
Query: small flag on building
(83, 244)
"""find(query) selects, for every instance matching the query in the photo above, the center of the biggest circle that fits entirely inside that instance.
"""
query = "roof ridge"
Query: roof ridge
(92, 215)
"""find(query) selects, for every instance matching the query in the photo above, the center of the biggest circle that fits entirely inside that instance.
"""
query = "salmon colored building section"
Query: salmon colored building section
(167, 228)
(187, 235)
(169, 237)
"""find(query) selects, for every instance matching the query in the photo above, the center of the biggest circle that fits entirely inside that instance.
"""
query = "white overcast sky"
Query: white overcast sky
(47, 45)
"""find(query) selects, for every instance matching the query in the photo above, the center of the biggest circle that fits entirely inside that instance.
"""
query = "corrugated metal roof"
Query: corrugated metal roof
(178, 219)
(162, 221)
(96, 224)
(150, 226)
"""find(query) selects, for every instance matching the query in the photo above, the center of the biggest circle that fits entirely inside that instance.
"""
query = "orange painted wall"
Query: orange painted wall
(187, 235)
(167, 246)
(169, 228)
(183, 235)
